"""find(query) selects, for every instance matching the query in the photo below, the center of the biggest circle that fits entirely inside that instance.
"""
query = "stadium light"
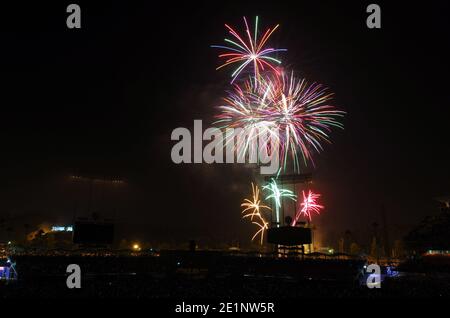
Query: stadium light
(136, 247)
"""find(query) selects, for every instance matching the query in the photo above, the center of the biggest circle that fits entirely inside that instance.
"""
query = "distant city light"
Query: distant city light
(136, 247)
(99, 180)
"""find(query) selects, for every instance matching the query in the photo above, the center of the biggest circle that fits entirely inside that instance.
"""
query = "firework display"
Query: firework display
(247, 108)
(249, 51)
(253, 208)
(308, 206)
(277, 194)
(273, 102)
(295, 114)
(303, 116)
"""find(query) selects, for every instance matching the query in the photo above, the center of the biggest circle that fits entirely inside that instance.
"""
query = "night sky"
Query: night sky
(103, 101)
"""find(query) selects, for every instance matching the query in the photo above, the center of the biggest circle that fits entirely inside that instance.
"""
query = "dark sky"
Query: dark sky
(104, 100)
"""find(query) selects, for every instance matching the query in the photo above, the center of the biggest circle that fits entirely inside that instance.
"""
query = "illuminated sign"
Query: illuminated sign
(62, 228)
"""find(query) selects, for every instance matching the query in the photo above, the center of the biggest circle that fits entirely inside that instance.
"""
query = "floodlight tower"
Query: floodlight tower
(285, 237)
(289, 180)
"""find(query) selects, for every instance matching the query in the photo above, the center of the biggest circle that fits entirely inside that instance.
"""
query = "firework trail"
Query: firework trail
(249, 51)
(253, 208)
(263, 226)
(304, 117)
(246, 109)
(297, 116)
(308, 206)
(277, 194)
